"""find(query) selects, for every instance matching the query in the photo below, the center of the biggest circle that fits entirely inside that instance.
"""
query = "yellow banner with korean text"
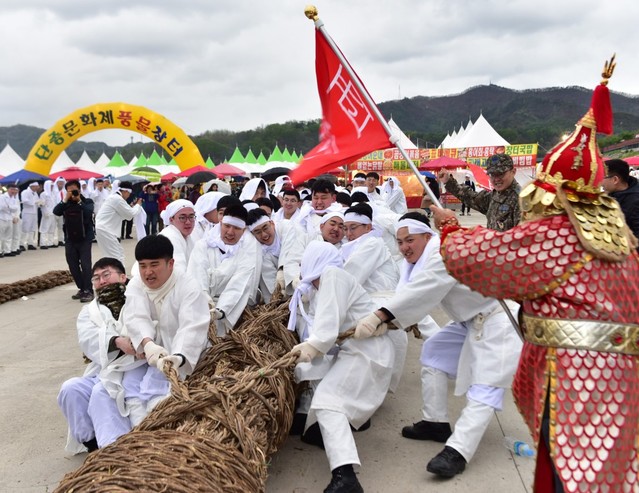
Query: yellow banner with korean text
(108, 116)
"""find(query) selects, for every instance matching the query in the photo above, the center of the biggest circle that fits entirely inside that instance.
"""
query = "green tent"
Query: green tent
(276, 155)
(261, 159)
(141, 161)
(236, 157)
(209, 162)
(286, 156)
(250, 157)
(155, 159)
(117, 161)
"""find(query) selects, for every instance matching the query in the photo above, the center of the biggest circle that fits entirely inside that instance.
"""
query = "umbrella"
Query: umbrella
(222, 186)
(132, 178)
(442, 162)
(147, 172)
(22, 176)
(200, 177)
(75, 173)
(194, 169)
(179, 182)
(225, 169)
(170, 176)
(273, 173)
(428, 174)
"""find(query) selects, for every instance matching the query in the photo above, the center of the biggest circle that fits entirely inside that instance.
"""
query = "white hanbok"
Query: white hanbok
(394, 196)
(48, 221)
(479, 348)
(9, 210)
(108, 224)
(229, 274)
(182, 247)
(354, 377)
(96, 327)
(30, 201)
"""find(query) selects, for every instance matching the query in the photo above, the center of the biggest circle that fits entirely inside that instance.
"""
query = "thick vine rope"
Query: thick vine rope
(218, 428)
(33, 285)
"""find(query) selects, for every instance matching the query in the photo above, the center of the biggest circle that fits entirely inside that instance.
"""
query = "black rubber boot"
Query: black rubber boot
(91, 445)
(427, 430)
(447, 463)
(344, 481)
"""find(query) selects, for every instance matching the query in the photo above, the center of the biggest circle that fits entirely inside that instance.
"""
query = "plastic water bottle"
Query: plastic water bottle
(518, 447)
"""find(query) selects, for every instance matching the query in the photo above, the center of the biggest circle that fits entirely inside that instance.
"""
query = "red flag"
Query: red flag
(481, 177)
(349, 128)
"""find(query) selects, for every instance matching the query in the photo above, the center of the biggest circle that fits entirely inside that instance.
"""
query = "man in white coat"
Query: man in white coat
(179, 219)
(30, 203)
(353, 377)
(167, 318)
(394, 196)
(322, 201)
(276, 241)
(48, 199)
(206, 214)
(100, 194)
(479, 348)
(9, 217)
(227, 268)
(101, 342)
(108, 222)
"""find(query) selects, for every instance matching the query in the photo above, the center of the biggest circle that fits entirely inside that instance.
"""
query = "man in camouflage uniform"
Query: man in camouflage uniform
(501, 204)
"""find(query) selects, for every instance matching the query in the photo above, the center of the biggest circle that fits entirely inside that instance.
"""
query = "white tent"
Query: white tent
(403, 139)
(481, 134)
(86, 163)
(63, 162)
(101, 163)
(10, 161)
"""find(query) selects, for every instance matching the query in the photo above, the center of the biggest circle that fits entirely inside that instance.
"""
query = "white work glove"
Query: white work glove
(280, 282)
(370, 326)
(176, 359)
(218, 314)
(307, 352)
(296, 282)
(154, 352)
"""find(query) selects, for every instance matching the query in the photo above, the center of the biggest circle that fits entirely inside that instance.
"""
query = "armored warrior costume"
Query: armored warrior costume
(572, 263)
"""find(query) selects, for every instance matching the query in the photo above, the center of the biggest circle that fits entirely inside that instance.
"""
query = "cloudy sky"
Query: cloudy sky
(239, 64)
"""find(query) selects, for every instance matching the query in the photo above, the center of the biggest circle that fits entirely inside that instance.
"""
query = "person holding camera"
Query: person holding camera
(77, 213)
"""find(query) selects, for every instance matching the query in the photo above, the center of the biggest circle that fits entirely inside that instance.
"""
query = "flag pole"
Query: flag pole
(311, 12)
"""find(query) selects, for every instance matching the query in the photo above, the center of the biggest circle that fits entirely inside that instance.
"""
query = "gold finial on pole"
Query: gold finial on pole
(609, 68)
(310, 11)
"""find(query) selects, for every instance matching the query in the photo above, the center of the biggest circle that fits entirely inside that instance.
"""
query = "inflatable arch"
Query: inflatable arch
(107, 116)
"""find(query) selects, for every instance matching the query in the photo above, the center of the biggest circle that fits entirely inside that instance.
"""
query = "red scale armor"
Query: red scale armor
(593, 396)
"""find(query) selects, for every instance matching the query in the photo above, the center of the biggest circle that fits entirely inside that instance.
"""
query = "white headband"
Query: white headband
(124, 190)
(174, 207)
(357, 218)
(330, 215)
(414, 227)
(258, 223)
(233, 221)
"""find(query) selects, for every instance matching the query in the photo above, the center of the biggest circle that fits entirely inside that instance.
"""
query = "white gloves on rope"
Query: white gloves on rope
(218, 314)
(175, 359)
(307, 352)
(370, 326)
(280, 282)
(154, 352)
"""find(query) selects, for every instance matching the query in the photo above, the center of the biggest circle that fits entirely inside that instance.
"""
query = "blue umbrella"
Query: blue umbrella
(428, 174)
(22, 176)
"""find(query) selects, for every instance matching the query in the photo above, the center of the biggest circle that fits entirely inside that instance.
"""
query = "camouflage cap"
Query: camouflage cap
(498, 164)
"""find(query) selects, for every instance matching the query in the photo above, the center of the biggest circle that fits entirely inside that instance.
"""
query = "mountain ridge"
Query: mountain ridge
(520, 116)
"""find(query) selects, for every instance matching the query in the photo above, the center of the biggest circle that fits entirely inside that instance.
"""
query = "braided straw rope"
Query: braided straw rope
(34, 285)
(218, 428)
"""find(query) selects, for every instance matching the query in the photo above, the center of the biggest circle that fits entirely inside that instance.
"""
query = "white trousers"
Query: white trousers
(47, 230)
(58, 232)
(16, 230)
(73, 400)
(338, 438)
(6, 236)
(29, 229)
(109, 244)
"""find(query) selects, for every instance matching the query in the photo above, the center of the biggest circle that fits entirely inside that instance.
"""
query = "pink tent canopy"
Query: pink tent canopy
(442, 162)
(75, 173)
(226, 169)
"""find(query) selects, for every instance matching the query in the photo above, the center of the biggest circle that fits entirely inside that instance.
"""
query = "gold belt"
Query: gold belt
(606, 337)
